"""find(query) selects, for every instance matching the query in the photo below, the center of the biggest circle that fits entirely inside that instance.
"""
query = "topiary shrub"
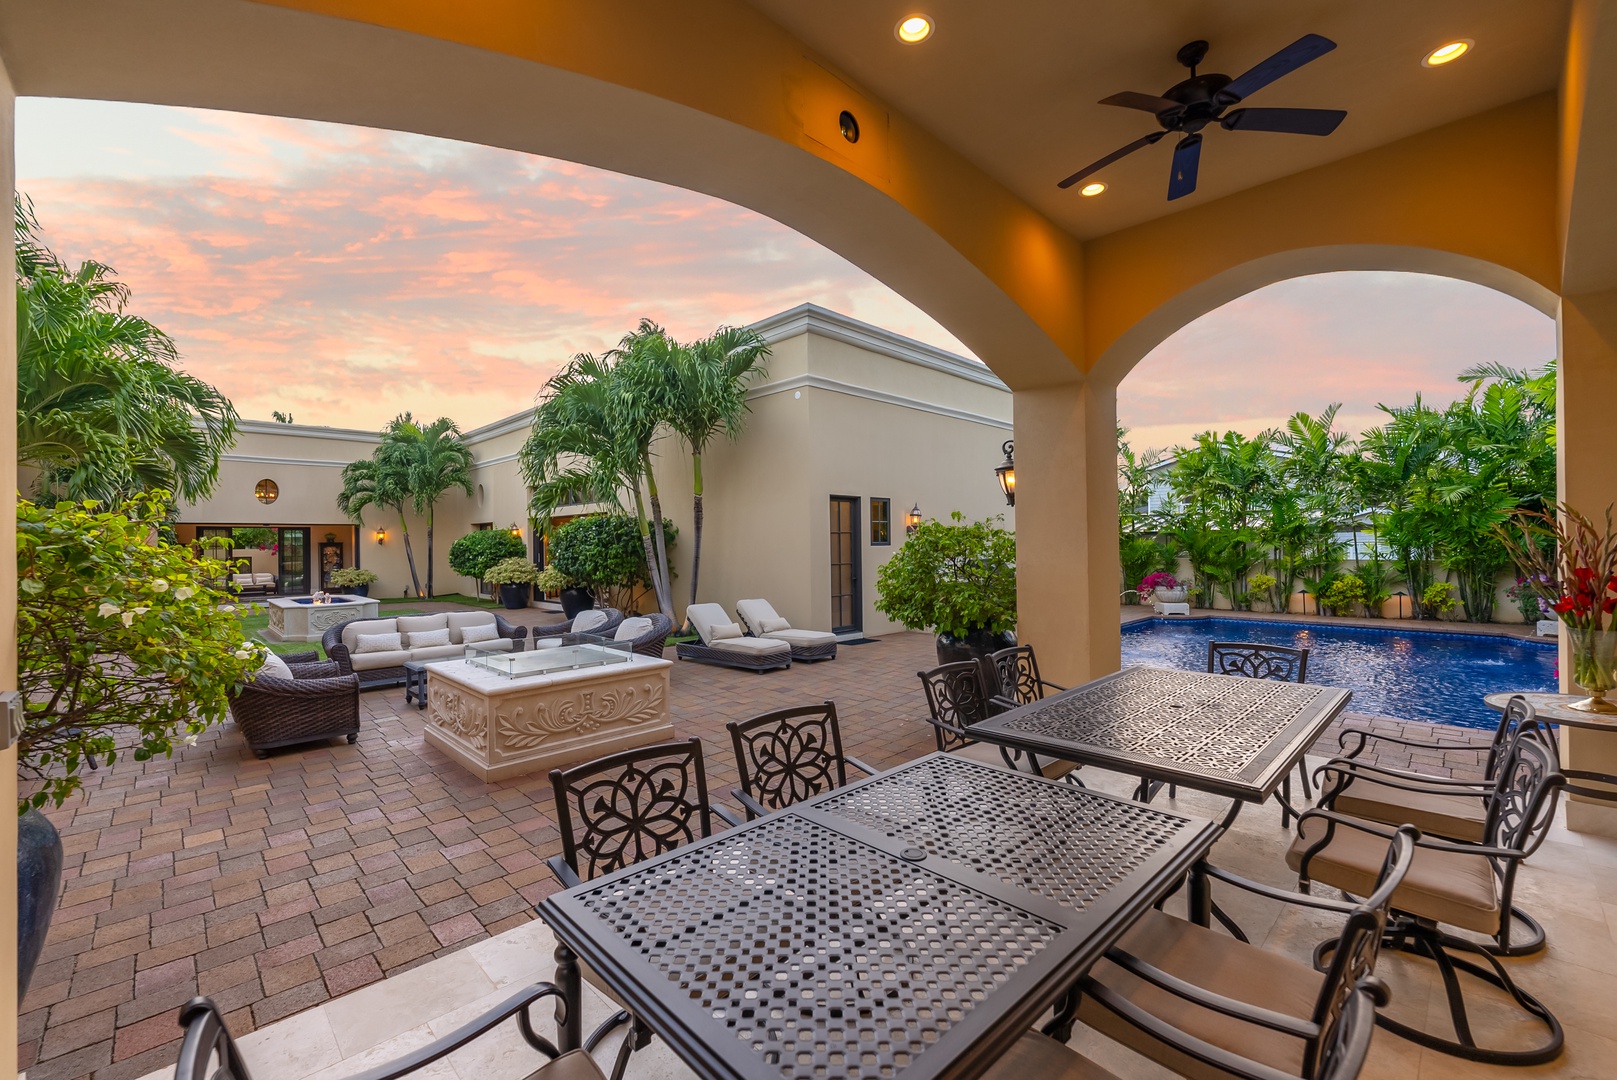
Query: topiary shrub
(604, 552)
(517, 570)
(952, 579)
(473, 554)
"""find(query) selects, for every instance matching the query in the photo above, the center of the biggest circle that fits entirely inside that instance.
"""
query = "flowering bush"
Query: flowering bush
(1525, 594)
(119, 637)
(1159, 580)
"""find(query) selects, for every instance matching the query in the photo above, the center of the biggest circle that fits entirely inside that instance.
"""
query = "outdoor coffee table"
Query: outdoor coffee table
(415, 683)
(911, 925)
(1225, 734)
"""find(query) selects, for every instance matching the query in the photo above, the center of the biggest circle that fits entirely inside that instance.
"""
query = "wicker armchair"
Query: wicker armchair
(318, 702)
(565, 627)
(649, 643)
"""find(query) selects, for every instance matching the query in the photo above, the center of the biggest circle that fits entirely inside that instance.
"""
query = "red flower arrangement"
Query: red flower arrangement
(1570, 564)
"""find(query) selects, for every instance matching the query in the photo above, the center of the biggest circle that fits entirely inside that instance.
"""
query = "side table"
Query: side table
(1589, 756)
(415, 683)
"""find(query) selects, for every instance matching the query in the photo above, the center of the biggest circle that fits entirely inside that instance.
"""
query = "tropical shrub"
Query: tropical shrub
(352, 577)
(952, 579)
(122, 643)
(514, 571)
(605, 552)
(1263, 587)
(1343, 594)
(551, 580)
(254, 536)
(1438, 598)
(1144, 556)
(474, 553)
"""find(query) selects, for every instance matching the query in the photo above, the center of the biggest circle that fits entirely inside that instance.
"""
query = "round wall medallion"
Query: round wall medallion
(266, 491)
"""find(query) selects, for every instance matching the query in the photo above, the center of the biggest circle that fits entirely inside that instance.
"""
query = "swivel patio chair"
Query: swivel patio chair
(209, 1052)
(789, 755)
(646, 634)
(318, 702)
(601, 622)
(1278, 662)
(1468, 886)
(620, 809)
(957, 699)
(1204, 1004)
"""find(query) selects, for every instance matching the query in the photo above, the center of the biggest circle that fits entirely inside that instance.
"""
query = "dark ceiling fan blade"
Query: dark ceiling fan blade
(1293, 56)
(1150, 103)
(1187, 157)
(1089, 170)
(1290, 121)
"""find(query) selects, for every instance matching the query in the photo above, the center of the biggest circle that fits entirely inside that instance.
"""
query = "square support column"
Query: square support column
(1067, 573)
(8, 589)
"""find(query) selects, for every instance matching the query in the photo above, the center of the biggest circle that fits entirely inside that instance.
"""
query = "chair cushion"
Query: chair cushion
(427, 639)
(752, 646)
(724, 632)
(585, 621)
(472, 633)
(754, 613)
(460, 620)
(632, 627)
(1214, 961)
(494, 644)
(415, 624)
(437, 652)
(1451, 816)
(775, 626)
(370, 661)
(704, 617)
(274, 667)
(801, 637)
(573, 1065)
(1451, 887)
(369, 643)
(1039, 1057)
(352, 630)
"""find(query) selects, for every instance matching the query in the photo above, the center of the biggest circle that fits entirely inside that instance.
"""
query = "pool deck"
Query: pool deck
(1134, 613)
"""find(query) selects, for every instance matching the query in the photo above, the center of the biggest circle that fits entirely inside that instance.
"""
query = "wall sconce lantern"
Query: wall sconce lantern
(1007, 473)
(381, 536)
(516, 531)
(912, 520)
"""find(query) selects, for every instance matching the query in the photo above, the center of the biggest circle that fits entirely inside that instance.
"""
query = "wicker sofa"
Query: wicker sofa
(387, 668)
(318, 702)
(724, 644)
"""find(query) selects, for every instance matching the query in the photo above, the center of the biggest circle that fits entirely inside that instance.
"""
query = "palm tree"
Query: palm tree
(704, 389)
(368, 482)
(431, 460)
(101, 410)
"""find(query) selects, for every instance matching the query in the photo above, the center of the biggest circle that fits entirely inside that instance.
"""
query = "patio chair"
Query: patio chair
(647, 634)
(617, 810)
(789, 755)
(759, 619)
(602, 622)
(1205, 1004)
(1278, 662)
(957, 699)
(317, 702)
(209, 1052)
(1468, 886)
(1019, 679)
(725, 644)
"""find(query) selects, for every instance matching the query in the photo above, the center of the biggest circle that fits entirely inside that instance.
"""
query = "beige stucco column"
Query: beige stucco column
(8, 595)
(1586, 446)
(1067, 576)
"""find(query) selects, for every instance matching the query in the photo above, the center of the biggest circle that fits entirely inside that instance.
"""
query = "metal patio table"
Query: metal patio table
(912, 925)
(1556, 708)
(1224, 734)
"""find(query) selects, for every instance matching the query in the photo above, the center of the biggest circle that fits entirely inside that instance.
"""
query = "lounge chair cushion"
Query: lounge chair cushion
(753, 646)
(632, 627)
(494, 644)
(1454, 817)
(374, 643)
(472, 633)
(754, 613)
(703, 618)
(802, 637)
(586, 621)
(1451, 887)
(724, 631)
(274, 667)
(415, 624)
(771, 626)
(427, 639)
(370, 661)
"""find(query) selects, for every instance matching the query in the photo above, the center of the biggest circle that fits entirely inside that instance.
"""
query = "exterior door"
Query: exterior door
(294, 562)
(847, 607)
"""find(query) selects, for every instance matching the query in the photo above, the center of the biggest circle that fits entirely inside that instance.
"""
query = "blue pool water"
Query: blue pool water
(1407, 674)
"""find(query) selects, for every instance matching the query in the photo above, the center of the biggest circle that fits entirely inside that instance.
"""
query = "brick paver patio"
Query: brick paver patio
(274, 885)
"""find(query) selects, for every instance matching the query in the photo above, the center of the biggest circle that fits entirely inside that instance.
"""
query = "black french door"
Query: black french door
(847, 609)
(293, 562)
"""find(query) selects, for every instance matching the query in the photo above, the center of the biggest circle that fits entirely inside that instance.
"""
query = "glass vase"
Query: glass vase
(1594, 667)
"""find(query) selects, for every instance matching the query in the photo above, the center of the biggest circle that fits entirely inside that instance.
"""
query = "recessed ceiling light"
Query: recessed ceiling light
(1091, 190)
(1447, 53)
(913, 29)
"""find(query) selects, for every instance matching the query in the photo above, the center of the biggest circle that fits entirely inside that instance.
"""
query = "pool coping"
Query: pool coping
(1519, 631)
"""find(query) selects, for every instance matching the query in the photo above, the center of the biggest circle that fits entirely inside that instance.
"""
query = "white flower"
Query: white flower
(190, 740)
(227, 607)
(107, 609)
(159, 585)
(184, 592)
(129, 618)
(243, 654)
(141, 610)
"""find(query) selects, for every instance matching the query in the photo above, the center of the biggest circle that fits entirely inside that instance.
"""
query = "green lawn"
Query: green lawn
(441, 598)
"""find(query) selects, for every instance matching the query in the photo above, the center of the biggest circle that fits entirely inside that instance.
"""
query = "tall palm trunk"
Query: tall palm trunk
(429, 554)
(409, 553)
(696, 519)
(657, 533)
(659, 584)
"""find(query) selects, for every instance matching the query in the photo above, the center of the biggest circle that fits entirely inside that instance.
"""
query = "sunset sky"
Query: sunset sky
(345, 274)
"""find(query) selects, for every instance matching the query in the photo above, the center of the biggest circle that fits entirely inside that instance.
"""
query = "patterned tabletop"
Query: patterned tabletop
(1556, 707)
(911, 925)
(1223, 733)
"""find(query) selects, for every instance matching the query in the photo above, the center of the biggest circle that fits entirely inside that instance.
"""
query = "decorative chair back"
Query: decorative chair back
(957, 699)
(1526, 788)
(789, 755)
(1342, 1058)
(1018, 671)
(1353, 961)
(1518, 713)
(630, 806)
(1257, 661)
(206, 1039)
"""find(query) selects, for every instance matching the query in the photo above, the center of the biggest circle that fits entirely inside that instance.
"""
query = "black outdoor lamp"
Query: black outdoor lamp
(912, 520)
(1007, 473)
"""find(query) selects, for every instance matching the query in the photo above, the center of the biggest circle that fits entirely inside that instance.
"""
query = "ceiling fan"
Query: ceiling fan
(1187, 107)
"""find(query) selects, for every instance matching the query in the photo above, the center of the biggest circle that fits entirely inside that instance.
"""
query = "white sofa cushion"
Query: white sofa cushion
(374, 643)
(460, 620)
(472, 633)
(437, 652)
(274, 667)
(415, 624)
(631, 628)
(496, 644)
(371, 660)
(586, 621)
(802, 637)
(352, 630)
(724, 631)
(755, 646)
(427, 639)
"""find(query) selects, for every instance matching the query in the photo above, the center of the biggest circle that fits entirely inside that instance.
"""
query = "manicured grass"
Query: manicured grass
(441, 598)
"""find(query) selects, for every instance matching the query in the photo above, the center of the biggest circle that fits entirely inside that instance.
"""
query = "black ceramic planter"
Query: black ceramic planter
(39, 879)
(360, 590)
(575, 600)
(514, 596)
(978, 645)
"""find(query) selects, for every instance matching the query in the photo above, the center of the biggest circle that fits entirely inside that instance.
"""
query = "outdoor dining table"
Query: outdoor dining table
(911, 925)
(1228, 735)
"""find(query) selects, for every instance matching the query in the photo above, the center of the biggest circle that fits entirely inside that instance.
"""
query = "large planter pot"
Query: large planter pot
(39, 880)
(358, 590)
(1170, 596)
(515, 596)
(978, 645)
(575, 600)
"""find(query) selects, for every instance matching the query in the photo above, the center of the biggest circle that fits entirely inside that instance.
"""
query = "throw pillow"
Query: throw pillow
(721, 631)
(274, 667)
(427, 639)
(769, 626)
(379, 643)
(479, 632)
(587, 621)
(631, 628)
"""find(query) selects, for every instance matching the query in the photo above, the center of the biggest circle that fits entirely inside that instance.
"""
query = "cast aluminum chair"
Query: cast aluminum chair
(957, 699)
(1278, 662)
(1467, 886)
(1019, 679)
(789, 755)
(618, 810)
(1205, 1004)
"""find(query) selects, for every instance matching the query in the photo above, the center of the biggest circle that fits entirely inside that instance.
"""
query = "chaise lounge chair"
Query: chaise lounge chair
(759, 619)
(724, 643)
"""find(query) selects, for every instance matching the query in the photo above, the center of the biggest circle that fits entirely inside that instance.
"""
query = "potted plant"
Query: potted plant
(573, 598)
(1162, 587)
(353, 581)
(516, 578)
(121, 642)
(473, 554)
(958, 581)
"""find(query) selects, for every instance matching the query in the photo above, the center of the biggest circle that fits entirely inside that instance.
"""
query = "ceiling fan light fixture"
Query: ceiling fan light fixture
(1089, 191)
(914, 29)
(1447, 54)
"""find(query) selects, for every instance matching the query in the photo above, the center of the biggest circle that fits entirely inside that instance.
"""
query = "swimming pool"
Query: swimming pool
(1407, 674)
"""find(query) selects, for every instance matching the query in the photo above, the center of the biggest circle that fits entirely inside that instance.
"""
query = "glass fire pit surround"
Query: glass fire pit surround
(586, 651)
